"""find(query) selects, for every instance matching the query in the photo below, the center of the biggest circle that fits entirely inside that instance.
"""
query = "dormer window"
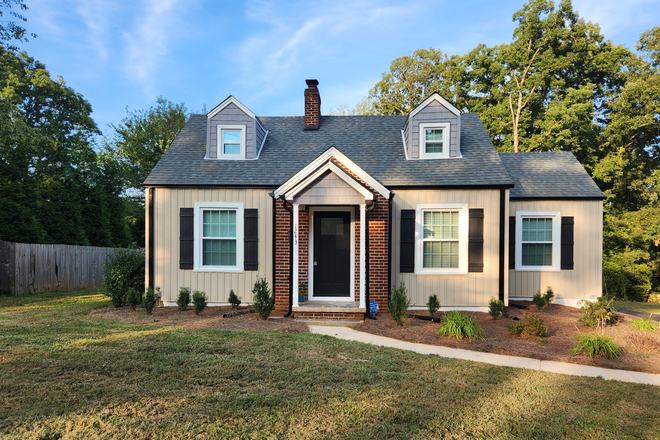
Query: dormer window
(231, 141)
(434, 140)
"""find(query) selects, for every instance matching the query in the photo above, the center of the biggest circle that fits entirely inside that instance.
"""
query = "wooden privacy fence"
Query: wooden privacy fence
(32, 268)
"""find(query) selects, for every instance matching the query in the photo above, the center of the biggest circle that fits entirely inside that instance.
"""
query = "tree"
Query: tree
(143, 136)
(364, 107)
(10, 30)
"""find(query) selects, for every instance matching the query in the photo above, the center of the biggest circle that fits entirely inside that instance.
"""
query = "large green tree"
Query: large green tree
(12, 30)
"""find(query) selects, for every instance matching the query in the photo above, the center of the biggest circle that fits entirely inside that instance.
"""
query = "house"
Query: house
(339, 208)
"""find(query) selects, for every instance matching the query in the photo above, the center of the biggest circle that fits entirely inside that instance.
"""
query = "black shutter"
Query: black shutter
(251, 240)
(407, 263)
(186, 237)
(476, 241)
(567, 243)
(512, 242)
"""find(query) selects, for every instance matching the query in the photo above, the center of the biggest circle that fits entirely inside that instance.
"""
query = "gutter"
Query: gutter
(274, 256)
(152, 284)
(389, 245)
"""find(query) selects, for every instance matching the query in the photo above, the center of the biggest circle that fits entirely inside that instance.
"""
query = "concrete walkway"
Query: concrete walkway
(350, 334)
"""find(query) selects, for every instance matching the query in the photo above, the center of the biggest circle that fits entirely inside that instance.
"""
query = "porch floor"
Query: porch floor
(329, 307)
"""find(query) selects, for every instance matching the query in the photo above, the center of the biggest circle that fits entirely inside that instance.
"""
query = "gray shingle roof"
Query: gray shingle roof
(551, 175)
(373, 142)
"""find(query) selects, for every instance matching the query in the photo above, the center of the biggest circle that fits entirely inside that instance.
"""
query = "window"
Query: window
(538, 240)
(434, 140)
(442, 238)
(219, 237)
(231, 142)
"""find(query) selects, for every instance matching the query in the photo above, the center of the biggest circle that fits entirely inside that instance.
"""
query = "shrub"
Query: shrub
(133, 298)
(644, 324)
(596, 345)
(264, 302)
(399, 303)
(495, 307)
(234, 300)
(149, 301)
(459, 325)
(184, 298)
(199, 301)
(538, 300)
(433, 304)
(549, 295)
(598, 313)
(124, 270)
(532, 325)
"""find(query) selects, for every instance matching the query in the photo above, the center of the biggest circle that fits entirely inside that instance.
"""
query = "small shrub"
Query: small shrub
(433, 304)
(184, 298)
(399, 303)
(549, 295)
(199, 301)
(149, 301)
(596, 345)
(495, 307)
(644, 324)
(264, 302)
(234, 300)
(538, 300)
(133, 298)
(598, 313)
(458, 325)
(532, 325)
(124, 270)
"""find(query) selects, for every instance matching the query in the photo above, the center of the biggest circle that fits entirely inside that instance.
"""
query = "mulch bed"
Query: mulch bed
(210, 317)
(641, 349)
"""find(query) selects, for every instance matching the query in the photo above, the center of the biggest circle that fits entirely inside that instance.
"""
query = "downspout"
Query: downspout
(389, 245)
(152, 284)
(502, 234)
(290, 258)
(367, 293)
(274, 256)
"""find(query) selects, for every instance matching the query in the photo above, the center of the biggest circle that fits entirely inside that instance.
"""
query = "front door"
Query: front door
(332, 254)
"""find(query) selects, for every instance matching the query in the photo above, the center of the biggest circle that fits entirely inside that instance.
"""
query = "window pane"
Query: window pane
(434, 134)
(440, 254)
(536, 254)
(211, 226)
(219, 253)
(537, 229)
(231, 136)
(434, 141)
(219, 224)
(441, 225)
(232, 149)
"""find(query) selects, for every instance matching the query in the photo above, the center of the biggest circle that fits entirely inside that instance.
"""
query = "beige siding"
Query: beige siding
(469, 290)
(585, 280)
(216, 284)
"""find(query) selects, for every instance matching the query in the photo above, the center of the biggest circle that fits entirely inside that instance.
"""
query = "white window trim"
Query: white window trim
(463, 229)
(446, 133)
(220, 153)
(197, 248)
(556, 241)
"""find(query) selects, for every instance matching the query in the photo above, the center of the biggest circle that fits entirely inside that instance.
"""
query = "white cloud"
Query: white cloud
(98, 17)
(616, 16)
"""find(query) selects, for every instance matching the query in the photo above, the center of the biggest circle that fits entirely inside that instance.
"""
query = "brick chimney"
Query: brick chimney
(312, 105)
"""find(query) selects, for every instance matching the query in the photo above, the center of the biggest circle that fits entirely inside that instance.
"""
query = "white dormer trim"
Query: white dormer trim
(435, 97)
(263, 141)
(405, 147)
(293, 192)
(225, 103)
(330, 153)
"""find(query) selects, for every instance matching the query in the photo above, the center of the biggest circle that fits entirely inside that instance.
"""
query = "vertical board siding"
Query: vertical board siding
(217, 285)
(585, 280)
(471, 289)
(34, 268)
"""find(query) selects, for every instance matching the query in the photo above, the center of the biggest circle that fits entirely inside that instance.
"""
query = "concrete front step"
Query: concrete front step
(329, 307)
(331, 322)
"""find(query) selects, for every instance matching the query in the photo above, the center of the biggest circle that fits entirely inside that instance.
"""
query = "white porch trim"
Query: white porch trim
(363, 260)
(296, 255)
(368, 195)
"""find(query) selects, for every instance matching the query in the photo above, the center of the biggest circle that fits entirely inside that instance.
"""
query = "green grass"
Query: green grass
(66, 375)
(646, 307)
(644, 324)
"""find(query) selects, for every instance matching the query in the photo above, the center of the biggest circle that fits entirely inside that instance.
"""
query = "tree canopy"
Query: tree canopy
(11, 30)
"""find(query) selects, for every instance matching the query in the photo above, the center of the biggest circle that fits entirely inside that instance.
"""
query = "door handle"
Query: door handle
(315, 263)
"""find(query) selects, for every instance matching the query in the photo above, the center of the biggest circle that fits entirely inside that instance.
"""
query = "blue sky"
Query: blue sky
(121, 54)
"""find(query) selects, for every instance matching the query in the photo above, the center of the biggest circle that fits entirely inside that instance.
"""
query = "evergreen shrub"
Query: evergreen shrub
(149, 301)
(399, 303)
(234, 300)
(264, 301)
(124, 270)
(184, 298)
(199, 301)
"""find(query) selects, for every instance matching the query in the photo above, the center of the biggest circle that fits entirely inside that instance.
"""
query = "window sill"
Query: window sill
(441, 272)
(219, 269)
(537, 269)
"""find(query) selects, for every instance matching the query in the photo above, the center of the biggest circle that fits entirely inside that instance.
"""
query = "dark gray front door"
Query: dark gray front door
(332, 254)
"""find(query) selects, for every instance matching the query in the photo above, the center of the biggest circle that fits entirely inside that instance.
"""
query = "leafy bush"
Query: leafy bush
(133, 298)
(184, 298)
(149, 301)
(495, 307)
(596, 345)
(234, 300)
(199, 301)
(264, 302)
(598, 313)
(532, 325)
(644, 324)
(433, 304)
(459, 325)
(541, 300)
(124, 270)
(399, 303)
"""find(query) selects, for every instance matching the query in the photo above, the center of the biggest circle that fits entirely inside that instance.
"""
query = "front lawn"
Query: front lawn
(646, 307)
(64, 374)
